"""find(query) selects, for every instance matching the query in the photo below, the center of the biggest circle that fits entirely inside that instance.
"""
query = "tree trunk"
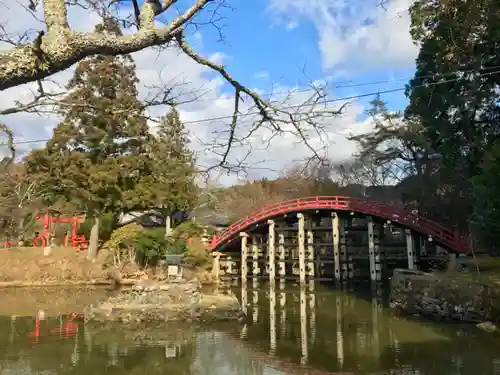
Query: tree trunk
(94, 240)
(168, 226)
(216, 268)
(20, 231)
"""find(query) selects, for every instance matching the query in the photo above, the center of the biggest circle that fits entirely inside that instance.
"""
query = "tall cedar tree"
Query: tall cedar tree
(97, 154)
(171, 185)
(486, 214)
(455, 88)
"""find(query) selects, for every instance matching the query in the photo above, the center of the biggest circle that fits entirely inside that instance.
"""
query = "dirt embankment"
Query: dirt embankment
(28, 266)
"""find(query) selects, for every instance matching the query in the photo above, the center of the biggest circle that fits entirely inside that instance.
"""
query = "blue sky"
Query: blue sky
(255, 42)
(346, 42)
(351, 43)
(280, 38)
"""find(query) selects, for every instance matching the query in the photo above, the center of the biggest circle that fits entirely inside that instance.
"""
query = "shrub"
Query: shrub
(188, 229)
(150, 245)
(197, 256)
(176, 246)
(147, 247)
(120, 245)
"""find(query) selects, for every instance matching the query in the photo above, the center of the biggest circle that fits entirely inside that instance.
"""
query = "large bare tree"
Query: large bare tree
(35, 57)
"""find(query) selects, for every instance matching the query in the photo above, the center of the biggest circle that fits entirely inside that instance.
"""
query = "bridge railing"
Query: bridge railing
(442, 235)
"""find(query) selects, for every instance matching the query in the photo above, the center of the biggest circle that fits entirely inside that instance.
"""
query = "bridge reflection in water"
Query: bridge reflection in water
(303, 298)
(300, 329)
(294, 330)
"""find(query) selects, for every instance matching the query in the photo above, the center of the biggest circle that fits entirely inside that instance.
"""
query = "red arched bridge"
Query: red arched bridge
(449, 239)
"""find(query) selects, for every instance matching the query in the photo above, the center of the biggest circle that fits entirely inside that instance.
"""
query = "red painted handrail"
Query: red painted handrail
(441, 235)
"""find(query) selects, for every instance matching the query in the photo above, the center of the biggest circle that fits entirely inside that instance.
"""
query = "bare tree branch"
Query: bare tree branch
(10, 143)
(278, 117)
(60, 47)
(55, 15)
(256, 119)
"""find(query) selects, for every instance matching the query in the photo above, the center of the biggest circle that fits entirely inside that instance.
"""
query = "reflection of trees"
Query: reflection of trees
(53, 355)
(218, 355)
(372, 340)
(466, 352)
(118, 353)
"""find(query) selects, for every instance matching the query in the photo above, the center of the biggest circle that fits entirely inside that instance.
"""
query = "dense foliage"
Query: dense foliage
(455, 96)
(170, 185)
(444, 147)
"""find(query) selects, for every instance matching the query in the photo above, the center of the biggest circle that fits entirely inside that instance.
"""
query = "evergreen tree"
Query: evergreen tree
(454, 92)
(486, 214)
(171, 185)
(97, 154)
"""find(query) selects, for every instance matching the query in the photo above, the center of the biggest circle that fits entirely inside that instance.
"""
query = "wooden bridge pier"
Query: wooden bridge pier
(271, 252)
(302, 250)
(255, 258)
(244, 256)
(342, 265)
(282, 258)
(410, 249)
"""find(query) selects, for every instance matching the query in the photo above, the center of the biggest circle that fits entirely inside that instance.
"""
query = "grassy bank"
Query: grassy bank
(489, 270)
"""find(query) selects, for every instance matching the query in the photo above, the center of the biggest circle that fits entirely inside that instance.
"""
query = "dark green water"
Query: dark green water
(289, 332)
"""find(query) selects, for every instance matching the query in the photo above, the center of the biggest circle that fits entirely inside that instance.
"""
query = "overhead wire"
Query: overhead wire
(326, 101)
(341, 85)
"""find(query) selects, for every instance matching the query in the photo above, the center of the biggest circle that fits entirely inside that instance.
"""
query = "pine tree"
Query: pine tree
(171, 186)
(97, 154)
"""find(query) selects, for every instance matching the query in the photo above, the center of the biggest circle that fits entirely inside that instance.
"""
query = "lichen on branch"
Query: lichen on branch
(60, 47)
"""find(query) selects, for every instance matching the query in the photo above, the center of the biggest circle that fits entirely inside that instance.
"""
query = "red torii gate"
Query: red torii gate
(76, 240)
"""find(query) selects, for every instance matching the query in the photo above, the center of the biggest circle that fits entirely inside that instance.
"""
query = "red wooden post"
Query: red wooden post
(46, 229)
(213, 242)
(36, 333)
(43, 239)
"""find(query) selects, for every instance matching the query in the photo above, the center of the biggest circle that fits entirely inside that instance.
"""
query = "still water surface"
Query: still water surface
(316, 331)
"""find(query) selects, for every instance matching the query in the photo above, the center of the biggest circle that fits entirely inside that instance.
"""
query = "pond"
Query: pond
(318, 330)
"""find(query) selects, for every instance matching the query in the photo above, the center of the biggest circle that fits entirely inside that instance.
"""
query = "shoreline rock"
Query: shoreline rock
(487, 327)
(431, 295)
(149, 301)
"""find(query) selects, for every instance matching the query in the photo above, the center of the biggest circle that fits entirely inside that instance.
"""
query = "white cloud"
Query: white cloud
(262, 75)
(172, 68)
(355, 32)
(17, 21)
(292, 25)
